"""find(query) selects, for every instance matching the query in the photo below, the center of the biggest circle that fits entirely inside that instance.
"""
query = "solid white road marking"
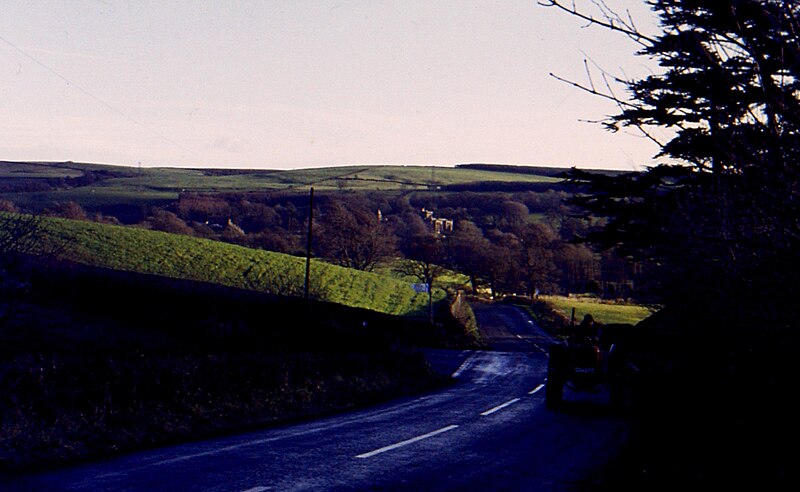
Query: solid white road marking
(499, 407)
(534, 390)
(257, 489)
(407, 442)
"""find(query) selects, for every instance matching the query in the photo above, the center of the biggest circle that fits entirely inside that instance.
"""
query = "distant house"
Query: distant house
(233, 228)
(440, 226)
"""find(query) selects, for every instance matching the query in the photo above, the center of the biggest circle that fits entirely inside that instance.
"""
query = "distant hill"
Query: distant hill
(554, 172)
(123, 191)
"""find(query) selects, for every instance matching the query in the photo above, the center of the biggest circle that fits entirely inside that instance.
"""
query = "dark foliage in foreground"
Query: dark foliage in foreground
(96, 362)
(712, 405)
(722, 225)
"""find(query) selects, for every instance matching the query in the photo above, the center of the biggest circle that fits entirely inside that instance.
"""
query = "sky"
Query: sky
(293, 84)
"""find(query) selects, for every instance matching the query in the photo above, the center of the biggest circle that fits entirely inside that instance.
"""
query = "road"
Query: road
(489, 431)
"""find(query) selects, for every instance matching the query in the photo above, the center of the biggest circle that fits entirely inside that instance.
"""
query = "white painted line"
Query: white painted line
(407, 442)
(536, 389)
(256, 489)
(519, 336)
(464, 366)
(499, 407)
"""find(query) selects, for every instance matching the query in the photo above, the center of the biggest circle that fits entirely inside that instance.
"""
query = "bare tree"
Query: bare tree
(425, 255)
(538, 243)
(352, 236)
(22, 237)
(470, 252)
(166, 221)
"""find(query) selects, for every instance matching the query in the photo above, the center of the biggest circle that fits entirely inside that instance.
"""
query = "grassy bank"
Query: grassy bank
(183, 257)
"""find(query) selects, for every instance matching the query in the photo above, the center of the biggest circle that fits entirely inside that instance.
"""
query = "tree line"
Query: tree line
(505, 243)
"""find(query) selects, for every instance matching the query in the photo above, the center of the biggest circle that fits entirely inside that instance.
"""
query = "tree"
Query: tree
(352, 236)
(20, 235)
(166, 221)
(578, 266)
(505, 275)
(425, 256)
(512, 215)
(470, 253)
(407, 225)
(724, 217)
(538, 243)
(69, 210)
(24, 239)
(8, 206)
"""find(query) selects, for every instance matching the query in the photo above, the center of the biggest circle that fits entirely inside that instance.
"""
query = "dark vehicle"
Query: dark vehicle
(590, 360)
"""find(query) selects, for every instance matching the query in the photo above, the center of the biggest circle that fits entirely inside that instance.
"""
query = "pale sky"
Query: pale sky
(293, 84)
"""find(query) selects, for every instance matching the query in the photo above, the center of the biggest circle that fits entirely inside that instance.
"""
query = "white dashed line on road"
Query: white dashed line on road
(407, 442)
(536, 389)
(499, 407)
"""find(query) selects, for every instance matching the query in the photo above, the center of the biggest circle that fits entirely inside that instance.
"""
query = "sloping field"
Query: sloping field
(169, 255)
(602, 312)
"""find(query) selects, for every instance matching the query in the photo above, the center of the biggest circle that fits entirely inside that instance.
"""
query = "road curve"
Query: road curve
(489, 431)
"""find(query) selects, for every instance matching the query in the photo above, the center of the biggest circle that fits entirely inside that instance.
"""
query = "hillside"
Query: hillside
(189, 258)
(99, 186)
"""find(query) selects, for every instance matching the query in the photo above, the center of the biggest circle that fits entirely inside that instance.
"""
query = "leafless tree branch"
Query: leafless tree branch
(610, 20)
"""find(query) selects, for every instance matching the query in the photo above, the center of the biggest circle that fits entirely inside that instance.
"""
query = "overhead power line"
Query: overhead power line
(94, 97)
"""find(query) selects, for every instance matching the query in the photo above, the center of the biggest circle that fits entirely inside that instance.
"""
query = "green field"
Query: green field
(169, 255)
(602, 312)
(36, 170)
(123, 184)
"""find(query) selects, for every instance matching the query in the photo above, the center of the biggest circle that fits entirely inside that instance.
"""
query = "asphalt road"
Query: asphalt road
(489, 431)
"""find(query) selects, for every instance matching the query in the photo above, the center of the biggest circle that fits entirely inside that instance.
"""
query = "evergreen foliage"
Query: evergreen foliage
(723, 218)
(722, 224)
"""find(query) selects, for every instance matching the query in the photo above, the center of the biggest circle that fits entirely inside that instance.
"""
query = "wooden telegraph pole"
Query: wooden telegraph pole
(308, 242)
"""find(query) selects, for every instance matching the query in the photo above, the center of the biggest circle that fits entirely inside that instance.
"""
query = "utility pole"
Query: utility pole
(308, 243)
(430, 304)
